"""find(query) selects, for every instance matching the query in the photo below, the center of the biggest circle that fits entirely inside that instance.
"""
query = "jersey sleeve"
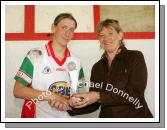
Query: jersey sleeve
(25, 73)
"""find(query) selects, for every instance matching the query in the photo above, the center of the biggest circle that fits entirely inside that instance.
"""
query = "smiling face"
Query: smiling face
(63, 31)
(110, 39)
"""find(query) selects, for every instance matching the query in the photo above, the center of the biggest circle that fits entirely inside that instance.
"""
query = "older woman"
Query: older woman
(119, 78)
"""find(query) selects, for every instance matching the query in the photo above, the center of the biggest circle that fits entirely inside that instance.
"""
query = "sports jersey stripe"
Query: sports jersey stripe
(21, 81)
(25, 73)
(24, 76)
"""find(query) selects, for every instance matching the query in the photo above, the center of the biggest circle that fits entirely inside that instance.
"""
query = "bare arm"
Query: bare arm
(21, 91)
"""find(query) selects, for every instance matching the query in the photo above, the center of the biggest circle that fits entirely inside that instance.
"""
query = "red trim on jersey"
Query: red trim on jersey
(51, 53)
(26, 111)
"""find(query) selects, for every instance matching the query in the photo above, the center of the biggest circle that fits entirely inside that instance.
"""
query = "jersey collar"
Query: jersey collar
(51, 53)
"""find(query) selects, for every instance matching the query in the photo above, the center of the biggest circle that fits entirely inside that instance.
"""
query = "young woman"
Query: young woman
(43, 78)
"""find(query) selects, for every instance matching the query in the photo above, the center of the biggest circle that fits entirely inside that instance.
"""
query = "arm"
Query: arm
(137, 80)
(27, 93)
(85, 110)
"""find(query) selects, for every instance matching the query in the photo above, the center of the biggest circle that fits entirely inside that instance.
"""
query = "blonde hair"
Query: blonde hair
(113, 23)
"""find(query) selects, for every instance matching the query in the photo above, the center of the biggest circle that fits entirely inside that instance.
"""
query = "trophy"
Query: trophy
(73, 72)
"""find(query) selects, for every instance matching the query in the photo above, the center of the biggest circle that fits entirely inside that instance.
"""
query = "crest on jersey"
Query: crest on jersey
(46, 70)
(61, 88)
(71, 66)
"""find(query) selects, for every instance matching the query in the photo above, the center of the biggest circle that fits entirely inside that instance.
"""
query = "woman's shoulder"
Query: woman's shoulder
(129, 56)
(133, 54)
(36, 53)
(133, 58)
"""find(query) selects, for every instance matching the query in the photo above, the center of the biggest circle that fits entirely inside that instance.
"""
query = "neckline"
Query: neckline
(51, 53)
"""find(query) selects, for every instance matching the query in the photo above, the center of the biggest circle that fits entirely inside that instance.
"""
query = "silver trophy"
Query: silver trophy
(73, 74)
(73, 71)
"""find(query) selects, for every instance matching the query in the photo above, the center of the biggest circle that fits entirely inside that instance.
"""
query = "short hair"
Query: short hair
(110, 22)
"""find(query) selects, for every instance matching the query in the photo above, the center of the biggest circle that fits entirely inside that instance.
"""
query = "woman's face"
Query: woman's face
(63, 31)
(109, 39)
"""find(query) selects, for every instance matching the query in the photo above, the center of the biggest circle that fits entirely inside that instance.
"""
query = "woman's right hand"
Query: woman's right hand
(58, 101)
(86, 98)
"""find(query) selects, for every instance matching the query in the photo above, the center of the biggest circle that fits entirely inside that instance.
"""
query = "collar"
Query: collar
(120, 55)
(51, 53)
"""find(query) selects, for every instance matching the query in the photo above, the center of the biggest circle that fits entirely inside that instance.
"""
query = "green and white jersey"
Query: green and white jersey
(44, 71)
